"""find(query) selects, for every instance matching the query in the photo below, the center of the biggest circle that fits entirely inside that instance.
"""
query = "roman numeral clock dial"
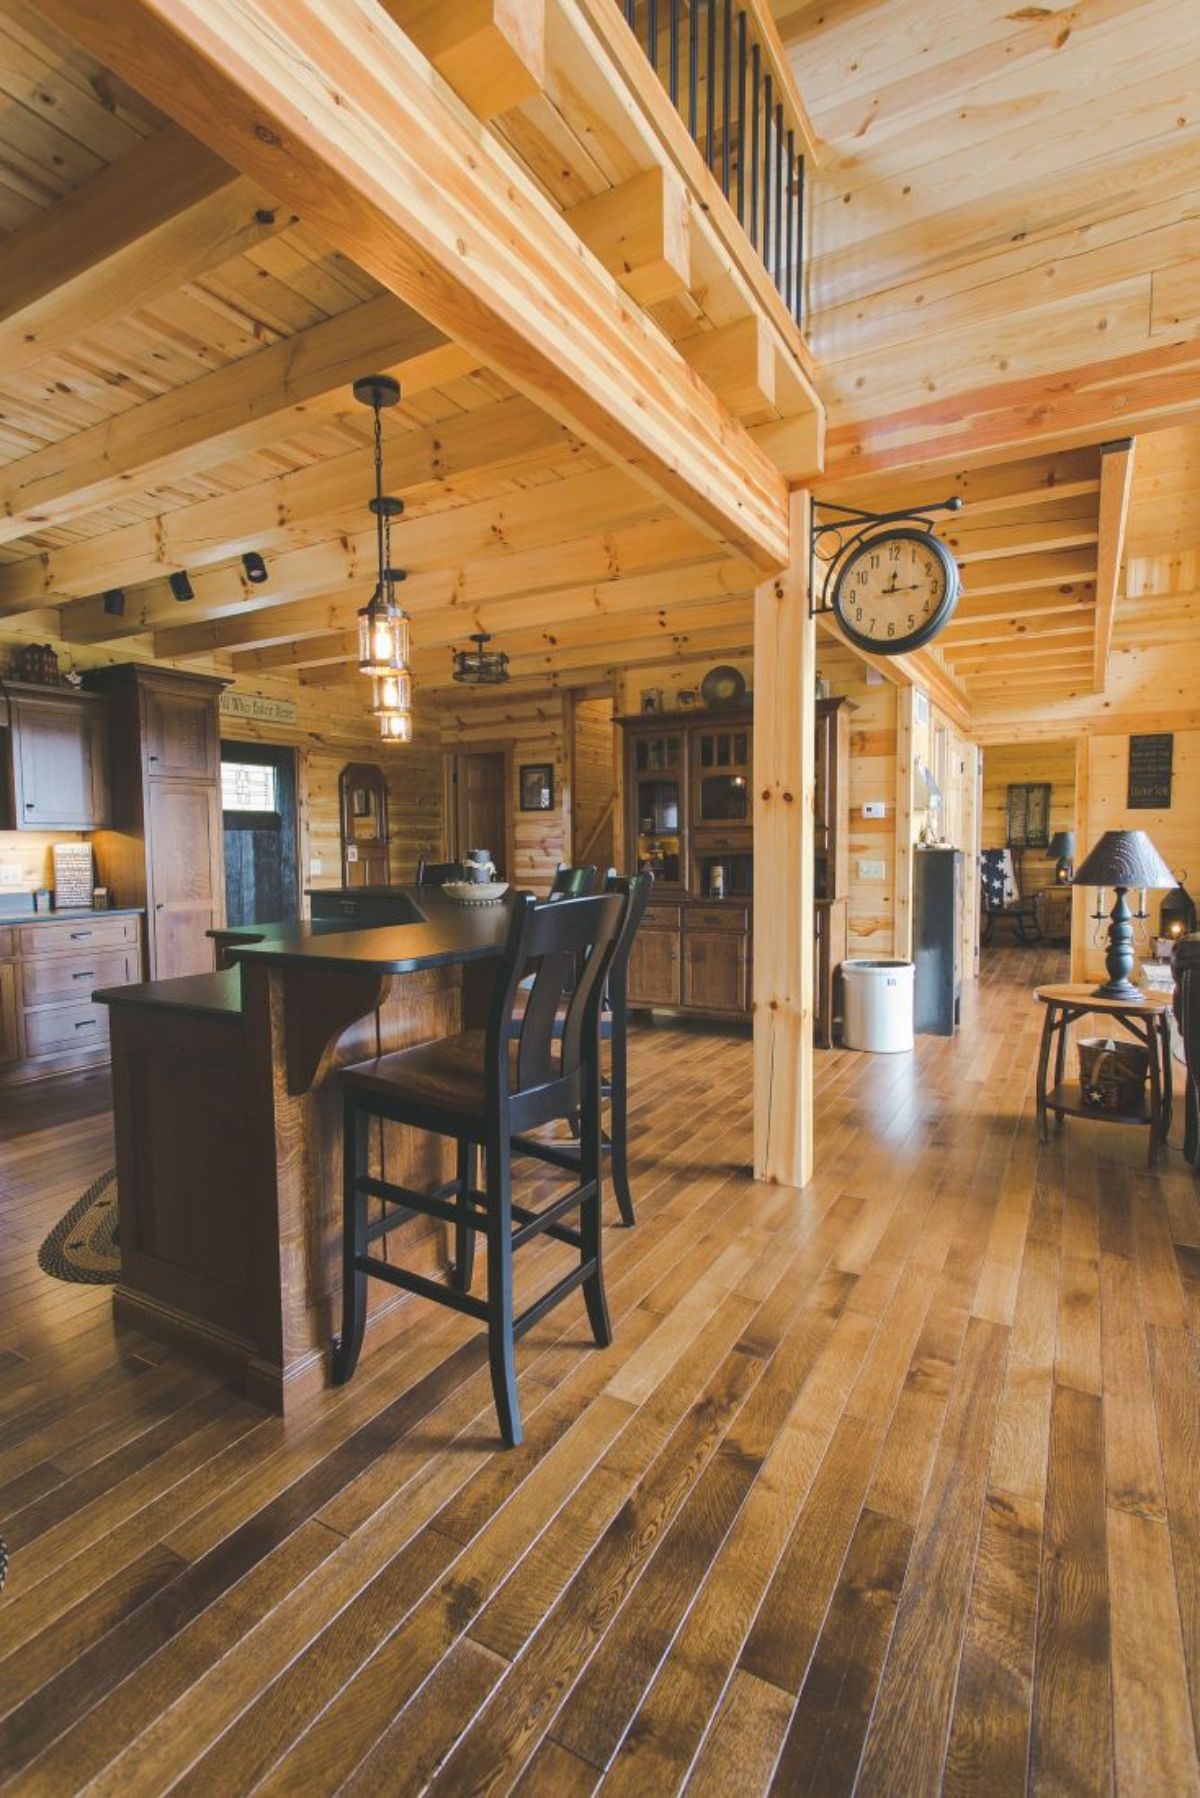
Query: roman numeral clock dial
(895, 590)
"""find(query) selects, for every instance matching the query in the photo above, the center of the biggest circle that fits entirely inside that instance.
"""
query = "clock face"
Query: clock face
(896, 590)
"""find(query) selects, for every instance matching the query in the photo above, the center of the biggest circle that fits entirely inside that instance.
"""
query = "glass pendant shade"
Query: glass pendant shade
(481, 666)
(396, 727)
(393, 693)
(383, 638)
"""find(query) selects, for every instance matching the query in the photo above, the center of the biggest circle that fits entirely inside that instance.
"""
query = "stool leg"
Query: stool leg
(501, 1355)
(464, 1235)
(1191, 1121)
(354, 1244)
(591, 1212)
(618, 1095)
(1043, 1064)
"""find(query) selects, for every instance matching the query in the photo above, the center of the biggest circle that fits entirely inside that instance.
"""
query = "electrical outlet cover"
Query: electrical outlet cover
(874, 808)
(872, 871)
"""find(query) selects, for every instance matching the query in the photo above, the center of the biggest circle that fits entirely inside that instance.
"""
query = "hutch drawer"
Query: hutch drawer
(717, 917)
(70, 935)
(51, 979)
(55, 1028)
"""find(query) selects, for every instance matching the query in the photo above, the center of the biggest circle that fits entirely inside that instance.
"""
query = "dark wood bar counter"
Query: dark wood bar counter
(228, 1129)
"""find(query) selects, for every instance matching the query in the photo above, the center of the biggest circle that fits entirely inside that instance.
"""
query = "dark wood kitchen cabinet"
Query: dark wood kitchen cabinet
(56, 761)
(165, 850)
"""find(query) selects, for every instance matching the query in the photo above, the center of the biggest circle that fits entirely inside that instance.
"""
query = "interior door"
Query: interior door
(258, 814)
(184, 834)
(480, 805)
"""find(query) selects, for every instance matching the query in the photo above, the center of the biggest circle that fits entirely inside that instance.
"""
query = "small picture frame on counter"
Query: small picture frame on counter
(43, 899)
(100, 899)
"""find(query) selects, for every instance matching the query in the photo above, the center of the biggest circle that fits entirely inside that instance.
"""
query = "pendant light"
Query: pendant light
(481, 666)
(383, 636)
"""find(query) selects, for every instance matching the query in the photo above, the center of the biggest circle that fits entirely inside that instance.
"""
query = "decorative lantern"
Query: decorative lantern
(1177, 916)
(383, 631)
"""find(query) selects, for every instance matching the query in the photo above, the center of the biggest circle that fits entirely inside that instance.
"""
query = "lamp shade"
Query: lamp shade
(1061, 847)
(1124, 858)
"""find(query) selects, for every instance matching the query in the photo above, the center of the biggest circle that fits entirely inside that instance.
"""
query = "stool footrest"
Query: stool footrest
(537, 1221)
(560, 1290)
(557, 1154)
(428, 1204)
(426, 1289)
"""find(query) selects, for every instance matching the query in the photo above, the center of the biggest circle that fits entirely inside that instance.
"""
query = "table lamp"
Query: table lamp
(1061, 849)
(1122, 859)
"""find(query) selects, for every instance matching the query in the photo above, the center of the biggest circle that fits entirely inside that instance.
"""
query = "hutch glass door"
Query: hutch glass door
(659, 773)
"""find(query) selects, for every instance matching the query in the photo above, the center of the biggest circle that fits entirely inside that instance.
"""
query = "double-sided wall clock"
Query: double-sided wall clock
(889, 581)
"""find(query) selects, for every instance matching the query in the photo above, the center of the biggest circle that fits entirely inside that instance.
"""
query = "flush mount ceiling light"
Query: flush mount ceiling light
(181, 586)
(481, 666)
(383, 633)
(255, 567)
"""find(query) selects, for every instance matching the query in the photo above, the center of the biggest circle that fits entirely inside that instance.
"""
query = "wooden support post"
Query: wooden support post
(1116, 486)
(902, 933)
(1082, 898)
(785, 670)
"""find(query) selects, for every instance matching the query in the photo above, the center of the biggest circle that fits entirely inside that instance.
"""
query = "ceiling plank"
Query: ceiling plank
(231, 412)
(277, 514)
(161, 214)
(1116, 484)
(345, 121)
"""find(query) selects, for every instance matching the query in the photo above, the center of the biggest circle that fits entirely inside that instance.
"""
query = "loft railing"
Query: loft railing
(728, 82)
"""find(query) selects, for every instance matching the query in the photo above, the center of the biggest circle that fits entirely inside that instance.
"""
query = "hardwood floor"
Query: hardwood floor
(886, 1486)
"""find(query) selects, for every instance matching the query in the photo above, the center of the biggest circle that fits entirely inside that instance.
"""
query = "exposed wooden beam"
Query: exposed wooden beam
(340, 115)
(1116, 485)
(162, 213)
(450, 549)
(915, 670)
(616, 598)
(1022, 573)
(231, 412)
(639, 231)
(280, 513)
(738, 363)
(492, 52)
(784, 753)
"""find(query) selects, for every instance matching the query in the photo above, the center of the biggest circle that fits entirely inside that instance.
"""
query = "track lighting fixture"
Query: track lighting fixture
(256, 568)
(181, 586)
(114, 602)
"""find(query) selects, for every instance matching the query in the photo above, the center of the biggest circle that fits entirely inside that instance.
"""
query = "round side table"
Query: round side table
(1147, 1018)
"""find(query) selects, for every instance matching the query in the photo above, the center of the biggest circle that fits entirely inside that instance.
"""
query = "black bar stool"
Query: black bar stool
(572, 883)
(614, 1021)
(436, 874)
(483, 1087)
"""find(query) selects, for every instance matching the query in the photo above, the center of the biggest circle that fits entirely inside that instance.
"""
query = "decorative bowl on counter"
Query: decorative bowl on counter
(476, 892)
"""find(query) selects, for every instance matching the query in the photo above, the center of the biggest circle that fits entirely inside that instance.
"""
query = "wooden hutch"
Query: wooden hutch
(688, 808)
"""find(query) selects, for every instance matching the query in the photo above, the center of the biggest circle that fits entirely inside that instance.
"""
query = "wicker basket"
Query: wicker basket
(1112, 1074)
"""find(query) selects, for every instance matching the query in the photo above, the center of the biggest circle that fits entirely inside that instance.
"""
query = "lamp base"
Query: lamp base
(1118, 989)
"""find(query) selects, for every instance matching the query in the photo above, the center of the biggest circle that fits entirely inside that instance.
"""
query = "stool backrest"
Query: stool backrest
(436, 874)
(635, 889)
(572, 883)
(542, 1077)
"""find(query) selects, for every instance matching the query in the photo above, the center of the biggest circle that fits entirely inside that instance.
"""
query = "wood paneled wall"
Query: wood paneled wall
(1009, 764)
(593, 783)
(1174, 831)
(532, 728)
(871, 911)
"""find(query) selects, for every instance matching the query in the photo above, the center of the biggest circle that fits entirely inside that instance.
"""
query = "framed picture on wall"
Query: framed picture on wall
(1028, 815)
(536, 786)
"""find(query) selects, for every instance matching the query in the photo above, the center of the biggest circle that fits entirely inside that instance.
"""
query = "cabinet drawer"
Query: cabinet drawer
(55, 978)
(661, 917)
(716, 917)
(54, 1028)
(72, 935)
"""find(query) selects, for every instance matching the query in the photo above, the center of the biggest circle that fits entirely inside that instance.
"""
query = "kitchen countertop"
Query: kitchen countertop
(71, 913)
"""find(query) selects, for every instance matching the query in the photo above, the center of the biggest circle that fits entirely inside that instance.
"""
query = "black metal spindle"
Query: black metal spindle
(652, 33)
(741, 119)
(726, 88)
(768, 114)
(673, 54)
(779, 198)
(790, 170)
(693, 58)
(755, 73)
(798, 302)
(630, 13)
(710, 73)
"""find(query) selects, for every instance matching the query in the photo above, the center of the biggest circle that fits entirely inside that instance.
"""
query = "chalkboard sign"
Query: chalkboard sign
(1150, 761)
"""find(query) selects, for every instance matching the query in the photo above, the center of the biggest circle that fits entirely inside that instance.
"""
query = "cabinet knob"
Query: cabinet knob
(29, 804)
(160, 905)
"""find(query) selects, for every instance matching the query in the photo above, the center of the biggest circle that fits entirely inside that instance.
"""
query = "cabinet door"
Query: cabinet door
(716, 970)
(183, 840)
(823, 799)
(182, 739)
(60, 763)
(657, 806)
(654, 968)
(9, 1047)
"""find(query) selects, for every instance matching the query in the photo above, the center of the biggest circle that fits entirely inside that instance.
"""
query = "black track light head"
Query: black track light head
(114, 602)
(181, 586)
(256, 568)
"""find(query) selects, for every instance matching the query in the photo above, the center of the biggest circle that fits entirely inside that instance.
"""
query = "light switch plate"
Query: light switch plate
(315, 865)
(872, 871)
(874, 808)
